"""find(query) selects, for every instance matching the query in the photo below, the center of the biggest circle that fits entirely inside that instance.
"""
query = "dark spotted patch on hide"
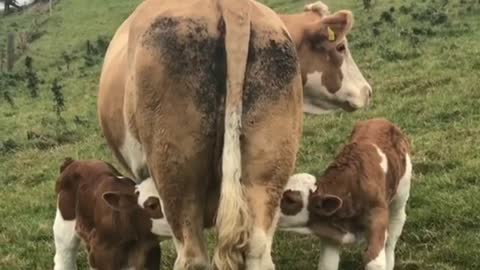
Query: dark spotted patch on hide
(271, 67)
(193, 57)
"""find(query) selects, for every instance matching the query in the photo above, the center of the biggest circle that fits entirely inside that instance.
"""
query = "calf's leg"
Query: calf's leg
(376, 236)
(329, 256)
(153, 259)
(395, 227)
(66, 243)
(398, 214)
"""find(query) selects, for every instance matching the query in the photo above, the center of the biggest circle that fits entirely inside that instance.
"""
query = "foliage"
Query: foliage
(367, 4)
(58, 100)
(94, 52)
(32, 78)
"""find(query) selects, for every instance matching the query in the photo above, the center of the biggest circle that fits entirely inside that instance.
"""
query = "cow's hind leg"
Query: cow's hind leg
(179, 135)
(66, 243)
(272, 123)
(181, 182)
(262, 199)
(268, 161)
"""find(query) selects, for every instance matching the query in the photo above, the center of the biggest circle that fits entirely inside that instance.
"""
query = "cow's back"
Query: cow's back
(112, 92)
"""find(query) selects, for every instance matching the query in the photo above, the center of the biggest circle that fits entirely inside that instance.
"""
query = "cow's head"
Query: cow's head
(144, 200)
(331, 78)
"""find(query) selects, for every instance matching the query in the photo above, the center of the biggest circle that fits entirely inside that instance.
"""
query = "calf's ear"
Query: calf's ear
(325, 205)
(120, 201)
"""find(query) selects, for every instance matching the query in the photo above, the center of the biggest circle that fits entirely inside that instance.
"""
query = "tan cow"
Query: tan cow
(318, 58)
(205, 97)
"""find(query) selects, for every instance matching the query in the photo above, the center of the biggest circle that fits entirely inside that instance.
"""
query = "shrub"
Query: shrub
(67, 58)
(58, 99)
(32, 78)
(8, 146)
(387, 17)
(367, 4)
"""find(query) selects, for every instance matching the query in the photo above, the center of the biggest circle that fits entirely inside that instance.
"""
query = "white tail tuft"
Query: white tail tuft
(234, 220)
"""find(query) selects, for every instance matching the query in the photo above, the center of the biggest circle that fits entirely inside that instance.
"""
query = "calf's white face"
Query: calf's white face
(293, 206)
(147, 199)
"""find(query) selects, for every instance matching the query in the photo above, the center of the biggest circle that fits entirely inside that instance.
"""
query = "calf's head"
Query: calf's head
(331, 78)
(302, 202)
(294, 210)
(140, 201)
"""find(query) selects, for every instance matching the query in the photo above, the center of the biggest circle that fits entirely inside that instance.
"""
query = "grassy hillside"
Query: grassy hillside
(421, 57)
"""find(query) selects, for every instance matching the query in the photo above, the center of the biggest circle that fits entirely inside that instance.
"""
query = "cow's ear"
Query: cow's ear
(330, 29)
(120, 201)
(325, 204)
(338, 25)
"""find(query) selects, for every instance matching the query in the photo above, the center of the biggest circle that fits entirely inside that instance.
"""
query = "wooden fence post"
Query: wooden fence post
(10, 51)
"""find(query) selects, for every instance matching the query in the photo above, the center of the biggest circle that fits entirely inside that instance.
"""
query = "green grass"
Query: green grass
(425, 75)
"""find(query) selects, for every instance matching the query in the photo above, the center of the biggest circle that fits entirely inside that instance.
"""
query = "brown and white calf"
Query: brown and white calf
(361, 195)
(120, 223)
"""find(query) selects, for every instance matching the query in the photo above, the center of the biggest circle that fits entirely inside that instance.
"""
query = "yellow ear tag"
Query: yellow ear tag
(331, 34)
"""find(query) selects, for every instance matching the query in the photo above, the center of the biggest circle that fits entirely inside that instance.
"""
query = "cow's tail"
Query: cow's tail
(234, 220)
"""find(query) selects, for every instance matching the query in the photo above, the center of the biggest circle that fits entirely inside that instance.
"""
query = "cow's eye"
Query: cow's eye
(341, 48)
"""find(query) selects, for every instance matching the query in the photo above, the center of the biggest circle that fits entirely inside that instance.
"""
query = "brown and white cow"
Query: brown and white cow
(330, 76)
(120, 223)
(205, 97)
(361, 195)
